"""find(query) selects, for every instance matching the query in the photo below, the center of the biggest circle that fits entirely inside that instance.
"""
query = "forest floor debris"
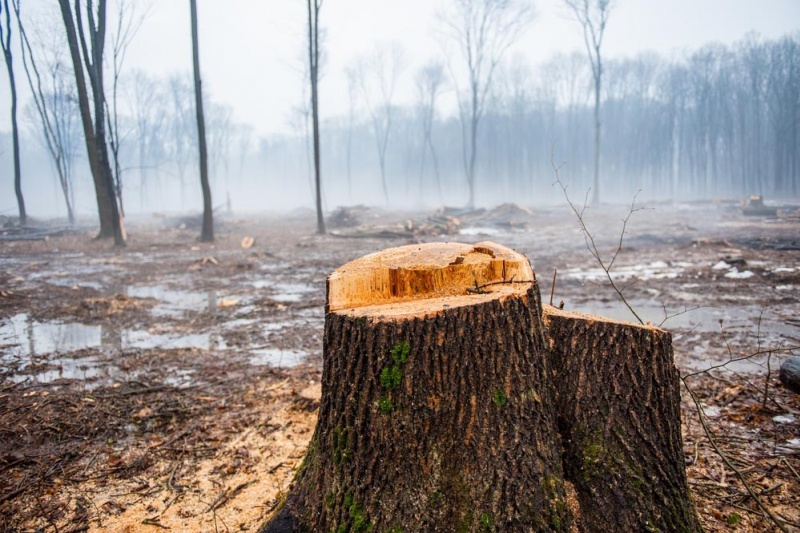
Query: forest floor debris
(152, 387)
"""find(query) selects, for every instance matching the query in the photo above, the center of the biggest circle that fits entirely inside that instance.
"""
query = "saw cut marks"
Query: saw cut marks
(424, 272)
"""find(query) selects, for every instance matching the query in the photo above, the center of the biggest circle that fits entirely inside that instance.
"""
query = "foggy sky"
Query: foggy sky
(251, 50)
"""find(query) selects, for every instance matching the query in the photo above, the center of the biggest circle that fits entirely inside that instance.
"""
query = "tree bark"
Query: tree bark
(447, 405)
(618, 404)
(207, 233)
(313, 59)
(7, 54)
(111, 224)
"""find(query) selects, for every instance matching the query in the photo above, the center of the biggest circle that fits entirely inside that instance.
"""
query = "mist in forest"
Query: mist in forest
(717, 120)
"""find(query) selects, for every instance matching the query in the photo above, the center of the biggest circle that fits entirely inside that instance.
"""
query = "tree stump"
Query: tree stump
(437, 408)
(618, 404)
(440, 407)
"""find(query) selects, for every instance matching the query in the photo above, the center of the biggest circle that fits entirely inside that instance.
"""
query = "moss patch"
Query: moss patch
(342, 445)
(500, 399)
(385, 405)
(487, 523)
(360, 522)
(391, 376)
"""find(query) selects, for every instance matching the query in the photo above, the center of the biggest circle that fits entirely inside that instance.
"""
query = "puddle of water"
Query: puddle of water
(179, 378)
(282, 324)
(293, 292)
(74, 276)
(735, 318)
(277, 358)
(144, 340)
(174, 302)
(479, 231)
(86, 369)
(22, 334)
(40, 338)
(653, 270)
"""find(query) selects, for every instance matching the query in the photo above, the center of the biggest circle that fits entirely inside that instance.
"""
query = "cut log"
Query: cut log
(437, 408)
(618, 404)
(446, 407)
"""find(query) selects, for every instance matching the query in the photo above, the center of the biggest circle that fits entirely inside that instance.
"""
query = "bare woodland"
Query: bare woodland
(208, 328)
(720, 120)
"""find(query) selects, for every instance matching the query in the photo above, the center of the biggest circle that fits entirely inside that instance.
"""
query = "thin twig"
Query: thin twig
(726, 459)
(591, 245)
(742, 358)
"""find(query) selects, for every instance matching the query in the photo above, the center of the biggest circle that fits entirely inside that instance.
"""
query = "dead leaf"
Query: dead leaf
(248, 242)
(144, 412)
(227, 302)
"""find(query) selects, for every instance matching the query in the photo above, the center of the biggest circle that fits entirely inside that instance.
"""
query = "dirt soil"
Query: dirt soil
(174, 384)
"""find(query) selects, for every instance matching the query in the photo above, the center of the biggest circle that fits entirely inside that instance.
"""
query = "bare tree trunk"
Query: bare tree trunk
(110, 222)
(207, 234)
(429, 140)
(5, 41)
(593, 16)
(429, 80)
(596, 180)
(313, 58)
(473, 139)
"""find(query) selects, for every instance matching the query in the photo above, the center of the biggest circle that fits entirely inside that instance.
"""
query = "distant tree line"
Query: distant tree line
(719, 121)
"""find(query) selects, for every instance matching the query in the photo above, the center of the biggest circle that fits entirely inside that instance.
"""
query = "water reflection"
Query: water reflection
(47, 351)
(277, 357)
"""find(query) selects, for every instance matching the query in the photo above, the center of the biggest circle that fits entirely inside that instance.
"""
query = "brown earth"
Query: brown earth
(174, 384)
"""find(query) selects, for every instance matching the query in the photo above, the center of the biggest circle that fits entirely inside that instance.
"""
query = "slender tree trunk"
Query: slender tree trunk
(473, 149)
(675, 160)
(422, 158)
(102, 191)
(6, 46)
(64, 181)
(349, 160)
(23, 217)
(313, 58)
(382, 144)
(596, 180)
(97, 34)
(436, 169)
(207, 234)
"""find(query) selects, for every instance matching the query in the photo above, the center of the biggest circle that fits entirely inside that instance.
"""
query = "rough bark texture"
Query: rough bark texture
(449, 407)
(110, 223)
(459, 437)
(618, 402)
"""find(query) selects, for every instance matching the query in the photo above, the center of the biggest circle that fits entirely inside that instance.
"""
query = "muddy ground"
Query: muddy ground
(174, 384)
